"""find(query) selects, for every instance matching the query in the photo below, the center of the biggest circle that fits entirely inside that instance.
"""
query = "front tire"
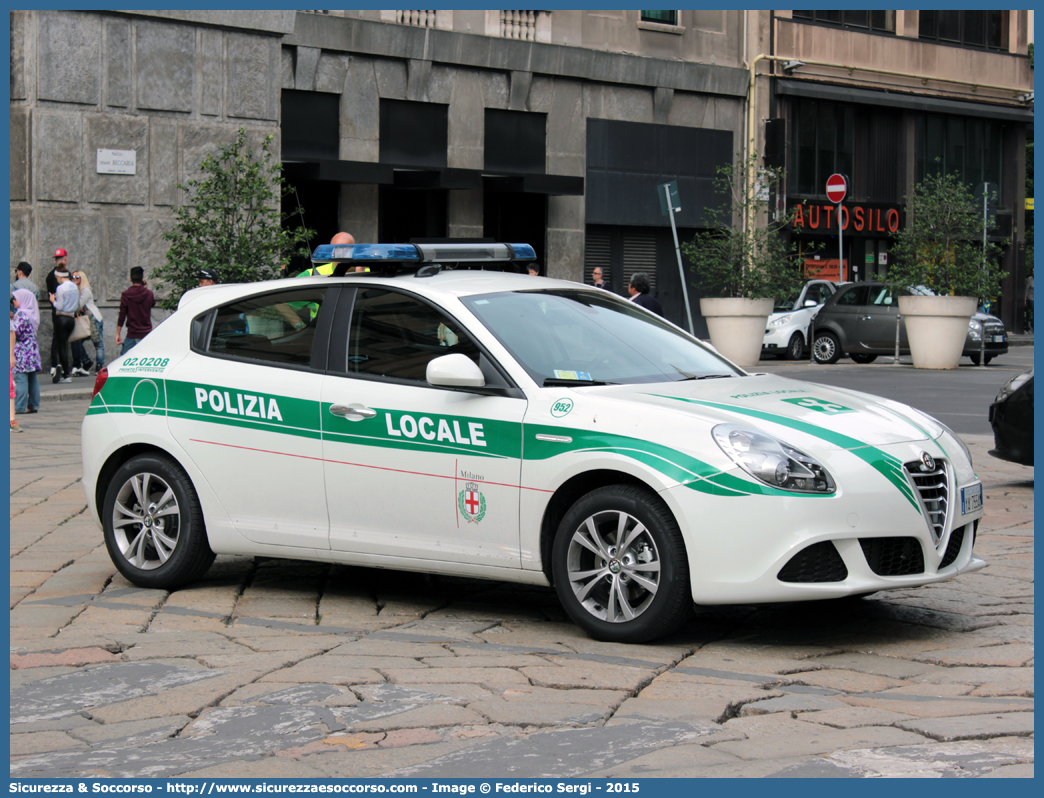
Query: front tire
(975, 359)
(619, 566)
(153, 524)
(795, 347)
(826, 348)
(863, 358)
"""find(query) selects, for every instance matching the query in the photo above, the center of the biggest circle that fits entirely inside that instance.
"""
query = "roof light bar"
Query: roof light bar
(422, 253)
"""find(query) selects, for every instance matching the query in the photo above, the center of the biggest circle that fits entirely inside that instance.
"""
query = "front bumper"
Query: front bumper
(867, 537)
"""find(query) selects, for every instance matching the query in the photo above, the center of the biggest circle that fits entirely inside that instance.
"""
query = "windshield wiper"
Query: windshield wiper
(704, 377)
(553, 382)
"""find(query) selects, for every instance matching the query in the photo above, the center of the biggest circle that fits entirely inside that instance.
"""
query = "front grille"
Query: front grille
(893, 556)
(994, 329)
(820, 562)
(933, 488)
(953, 548)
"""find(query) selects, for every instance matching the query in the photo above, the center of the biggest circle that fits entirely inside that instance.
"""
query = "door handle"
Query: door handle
(865, 318)
(353, 412)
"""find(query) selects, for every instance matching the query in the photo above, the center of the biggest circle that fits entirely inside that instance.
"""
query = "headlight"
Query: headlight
(974, 330)
(1012, 385)
(780, 321)
(772, 461)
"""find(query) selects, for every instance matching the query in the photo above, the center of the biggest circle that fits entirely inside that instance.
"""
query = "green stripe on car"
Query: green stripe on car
(882, 462)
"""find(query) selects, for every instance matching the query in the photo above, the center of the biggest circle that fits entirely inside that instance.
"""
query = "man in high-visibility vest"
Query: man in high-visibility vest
(341, 239)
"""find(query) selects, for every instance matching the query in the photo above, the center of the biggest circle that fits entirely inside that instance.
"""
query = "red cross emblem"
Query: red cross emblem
(472, 502)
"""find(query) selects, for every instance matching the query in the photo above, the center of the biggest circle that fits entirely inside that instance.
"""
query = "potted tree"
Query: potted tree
(741, 269)
(946, 266)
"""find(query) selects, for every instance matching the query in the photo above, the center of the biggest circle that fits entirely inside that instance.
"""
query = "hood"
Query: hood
(782, 407)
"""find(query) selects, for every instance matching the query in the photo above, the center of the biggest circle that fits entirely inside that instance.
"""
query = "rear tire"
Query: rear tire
(153, 524)
(619, 566)
(795, 347)
(826, 348)
(862, 358)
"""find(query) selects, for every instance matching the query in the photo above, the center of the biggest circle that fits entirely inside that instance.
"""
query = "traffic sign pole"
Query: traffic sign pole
(667, 203)
(836, 188)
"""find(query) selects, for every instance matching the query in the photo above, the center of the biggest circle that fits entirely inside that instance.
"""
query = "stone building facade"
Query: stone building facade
(174, 85)
(171, 86)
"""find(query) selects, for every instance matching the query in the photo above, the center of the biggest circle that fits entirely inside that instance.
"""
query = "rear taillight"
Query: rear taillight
(99, 381)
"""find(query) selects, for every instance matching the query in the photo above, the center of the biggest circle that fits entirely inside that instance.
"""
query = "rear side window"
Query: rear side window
(277, 328)
(395, 335)
(854, 296)
(818, 293)
(881, 295)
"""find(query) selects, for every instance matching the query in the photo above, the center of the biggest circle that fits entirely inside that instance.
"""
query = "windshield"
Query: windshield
(570, 337)
(782, 306)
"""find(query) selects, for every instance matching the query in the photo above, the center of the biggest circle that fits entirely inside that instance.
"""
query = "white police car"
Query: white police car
(429, 416)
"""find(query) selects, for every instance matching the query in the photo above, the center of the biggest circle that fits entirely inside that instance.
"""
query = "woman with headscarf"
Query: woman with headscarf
(80, 362)
(25, 323)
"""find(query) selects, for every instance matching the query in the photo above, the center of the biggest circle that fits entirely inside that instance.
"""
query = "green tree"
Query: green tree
(231, 222)
(942, 247)
(753, 260)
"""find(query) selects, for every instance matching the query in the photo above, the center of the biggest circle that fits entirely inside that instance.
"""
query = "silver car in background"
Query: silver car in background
(861, 321)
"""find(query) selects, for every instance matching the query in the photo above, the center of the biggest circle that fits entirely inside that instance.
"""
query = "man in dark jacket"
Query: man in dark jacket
(638, 288)
(61, 264)
(136, 305)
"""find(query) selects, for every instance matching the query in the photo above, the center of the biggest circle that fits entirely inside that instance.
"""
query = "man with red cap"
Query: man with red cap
(61, 264)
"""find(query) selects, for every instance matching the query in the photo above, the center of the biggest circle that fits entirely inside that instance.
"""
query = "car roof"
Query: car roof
(447, 282)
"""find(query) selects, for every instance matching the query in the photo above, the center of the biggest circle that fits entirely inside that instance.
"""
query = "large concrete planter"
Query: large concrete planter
(936, 327)
(737, 327)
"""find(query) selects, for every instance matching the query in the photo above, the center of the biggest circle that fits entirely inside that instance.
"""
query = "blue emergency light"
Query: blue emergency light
(422, 253)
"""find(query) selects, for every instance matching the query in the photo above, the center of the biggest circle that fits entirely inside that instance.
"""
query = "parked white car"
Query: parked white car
(425, 416)
(786, 334)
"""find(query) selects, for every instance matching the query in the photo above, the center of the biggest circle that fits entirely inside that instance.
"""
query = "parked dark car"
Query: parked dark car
(1011, 416)
(860, 320)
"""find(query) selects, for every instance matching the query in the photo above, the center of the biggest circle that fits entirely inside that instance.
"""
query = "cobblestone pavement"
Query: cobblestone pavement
(272, 668)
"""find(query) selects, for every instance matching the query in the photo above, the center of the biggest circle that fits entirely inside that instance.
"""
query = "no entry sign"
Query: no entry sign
(836, 188)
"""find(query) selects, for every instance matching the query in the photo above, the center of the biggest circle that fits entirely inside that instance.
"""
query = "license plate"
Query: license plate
(971, 499)
(998, 339)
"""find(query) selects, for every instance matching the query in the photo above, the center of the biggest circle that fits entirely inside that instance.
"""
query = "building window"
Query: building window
(878, 21)
(662, 17)
(970, 147)
(982, 29)
(823, 143)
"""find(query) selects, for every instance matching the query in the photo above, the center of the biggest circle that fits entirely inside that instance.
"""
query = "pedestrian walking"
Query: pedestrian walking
(638, 288)
(66, 303)
(14, 423)
(341, 239)
(22, 272)
(80, 362)
(207, 277)
(26, 321)
(1029, 302)
(136, 305)
(61, 263)
(596, 279)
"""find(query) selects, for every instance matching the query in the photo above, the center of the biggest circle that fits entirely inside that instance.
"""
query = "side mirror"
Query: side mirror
(811, 303)
(455, 371)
